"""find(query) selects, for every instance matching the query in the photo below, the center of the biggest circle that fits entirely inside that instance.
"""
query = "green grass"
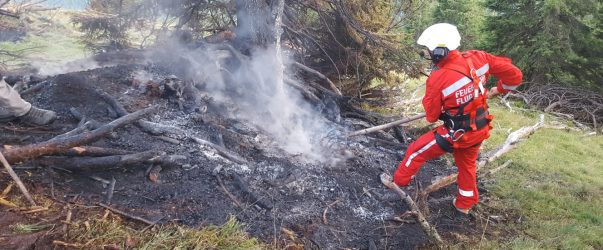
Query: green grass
(555, 182)
(99, 232)
(28, 228)
(50, 41)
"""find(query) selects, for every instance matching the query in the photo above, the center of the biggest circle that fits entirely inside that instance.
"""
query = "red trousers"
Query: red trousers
(465, 156)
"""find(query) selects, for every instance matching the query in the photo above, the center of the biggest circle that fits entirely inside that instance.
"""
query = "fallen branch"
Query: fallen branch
(216, 173)
(386, 126)
(146, 126)
(252, 197)
(87, 126)
(65, 244)
(509, 144)
(55, 146)
(98, 162)
(110, 191)
(93, 151)
(134, 217)
(16, 178)
(34, 89)
(504, 165)
(324, 213)
(8, 13)
(431, 232)
(221, 150)
(147, 157)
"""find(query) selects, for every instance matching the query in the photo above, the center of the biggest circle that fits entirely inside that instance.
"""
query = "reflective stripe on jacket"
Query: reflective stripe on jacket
(447, 89)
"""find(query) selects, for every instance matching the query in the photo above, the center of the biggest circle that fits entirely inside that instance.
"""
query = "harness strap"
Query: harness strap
(443, 143)
(477, 106)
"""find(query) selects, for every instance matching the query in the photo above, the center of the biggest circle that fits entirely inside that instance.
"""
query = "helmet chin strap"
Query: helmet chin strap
(438, 54)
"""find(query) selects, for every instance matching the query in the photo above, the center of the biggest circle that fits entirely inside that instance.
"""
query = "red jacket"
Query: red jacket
(447, 89)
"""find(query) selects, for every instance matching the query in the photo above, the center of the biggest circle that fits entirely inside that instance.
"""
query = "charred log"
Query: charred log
(93, 151)
(252, 197)
(57, 145)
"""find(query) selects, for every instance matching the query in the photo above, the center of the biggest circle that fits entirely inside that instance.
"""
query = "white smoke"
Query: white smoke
(55, 68)
(281, 111)
(256, 88)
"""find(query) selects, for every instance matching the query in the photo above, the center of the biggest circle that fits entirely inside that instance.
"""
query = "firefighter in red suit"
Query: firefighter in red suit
(455, 94)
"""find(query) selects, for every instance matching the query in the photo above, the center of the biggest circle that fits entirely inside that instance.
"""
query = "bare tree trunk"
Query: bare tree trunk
(255, 23)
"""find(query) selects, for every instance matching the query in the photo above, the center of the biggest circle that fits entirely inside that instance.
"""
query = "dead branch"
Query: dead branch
(509, 144)
(147, 157)
(93, 151)
(221, 150)
(110, 191)
(8, 13)
(65, 244)
(324, 213)
(584, 105)
(251, 196)
(431, 232)
(16, 178)
(99, 162)
(319, 75)
(55, 146)
(145, 126)
(34, 89)
(86, 126)
(504, 165)
(386, 126)
(512, 140)
(216, 173)
(4, 2)
(134, 217)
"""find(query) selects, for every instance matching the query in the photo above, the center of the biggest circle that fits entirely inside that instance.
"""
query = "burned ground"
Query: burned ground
(276, 189)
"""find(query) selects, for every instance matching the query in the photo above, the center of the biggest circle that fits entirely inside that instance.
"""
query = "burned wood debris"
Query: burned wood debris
(197, 132)
(114, 127)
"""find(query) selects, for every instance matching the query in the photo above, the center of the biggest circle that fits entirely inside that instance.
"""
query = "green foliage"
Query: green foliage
(468, 16)
(359, 40)
(550, 40)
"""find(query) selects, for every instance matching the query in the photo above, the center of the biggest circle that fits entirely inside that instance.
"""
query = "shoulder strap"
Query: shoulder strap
(459, 69)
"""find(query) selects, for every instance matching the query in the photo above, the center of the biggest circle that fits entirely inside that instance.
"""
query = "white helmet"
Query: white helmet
(440, 35)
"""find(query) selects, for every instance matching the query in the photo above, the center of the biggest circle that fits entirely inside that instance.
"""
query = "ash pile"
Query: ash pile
(231, 134)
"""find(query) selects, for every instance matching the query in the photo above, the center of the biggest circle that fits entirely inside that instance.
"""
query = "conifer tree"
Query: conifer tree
(550, 40)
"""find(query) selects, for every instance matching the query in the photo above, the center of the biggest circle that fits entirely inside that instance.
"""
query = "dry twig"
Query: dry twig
(324, 214)
(16, 178)
(134, 217)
